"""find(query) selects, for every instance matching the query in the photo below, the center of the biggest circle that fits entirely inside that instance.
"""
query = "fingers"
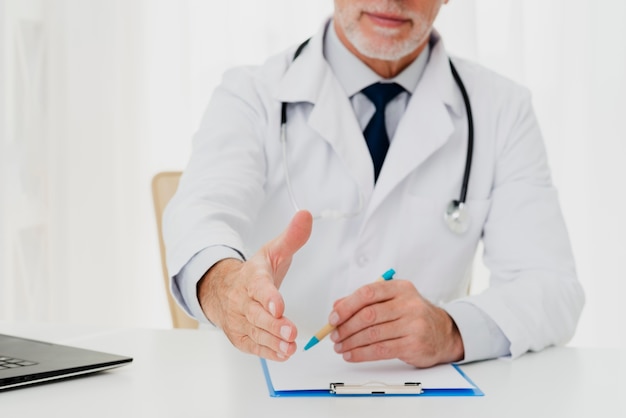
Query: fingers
(422, 340)
(263, 310)
(256, 331)
(376, 342)
(267, 332)
(365, 296)
(281, 329)
(385, 320)
(250, 346)
(372, 333)
(263, 344)
(383, 350)
(262, 290)
(296, 234)
(368, 320)
(282, 248)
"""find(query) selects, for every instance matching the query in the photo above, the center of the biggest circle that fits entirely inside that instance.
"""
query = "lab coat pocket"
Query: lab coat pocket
(442, 256)
(432, 234)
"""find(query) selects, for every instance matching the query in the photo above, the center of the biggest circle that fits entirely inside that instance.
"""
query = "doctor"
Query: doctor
(274, 233)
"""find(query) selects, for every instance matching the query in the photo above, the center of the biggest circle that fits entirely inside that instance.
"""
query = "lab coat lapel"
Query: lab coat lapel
(425, 127)
(333, 118)
(310, 79)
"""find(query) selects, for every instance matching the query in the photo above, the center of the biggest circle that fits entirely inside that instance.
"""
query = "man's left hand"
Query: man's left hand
(391, 319)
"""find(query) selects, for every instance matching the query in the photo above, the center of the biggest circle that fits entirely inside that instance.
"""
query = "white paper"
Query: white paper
(320, 366)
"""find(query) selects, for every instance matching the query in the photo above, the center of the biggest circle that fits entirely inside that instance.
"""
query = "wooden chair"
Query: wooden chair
(164, 185)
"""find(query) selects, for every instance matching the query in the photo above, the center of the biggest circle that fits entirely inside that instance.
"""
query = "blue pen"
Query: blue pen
(327, 329)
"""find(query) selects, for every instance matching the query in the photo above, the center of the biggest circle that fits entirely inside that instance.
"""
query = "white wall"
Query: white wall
(4, 271)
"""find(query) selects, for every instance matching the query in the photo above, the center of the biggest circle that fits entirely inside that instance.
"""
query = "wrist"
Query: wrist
(456, 349)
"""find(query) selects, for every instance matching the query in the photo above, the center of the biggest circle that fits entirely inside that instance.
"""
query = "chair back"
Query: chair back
(164, 185)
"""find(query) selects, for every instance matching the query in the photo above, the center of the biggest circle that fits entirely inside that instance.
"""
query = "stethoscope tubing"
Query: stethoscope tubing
(470, 133)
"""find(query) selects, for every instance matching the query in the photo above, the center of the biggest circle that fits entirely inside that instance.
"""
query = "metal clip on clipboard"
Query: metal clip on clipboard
(376, 388)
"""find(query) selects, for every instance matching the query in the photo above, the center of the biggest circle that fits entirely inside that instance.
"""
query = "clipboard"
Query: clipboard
(320, 372)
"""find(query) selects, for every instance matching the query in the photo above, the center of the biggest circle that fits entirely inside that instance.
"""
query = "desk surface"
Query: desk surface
(198, 374)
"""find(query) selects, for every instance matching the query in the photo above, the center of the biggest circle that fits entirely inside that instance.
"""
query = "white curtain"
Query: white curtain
(117, 87)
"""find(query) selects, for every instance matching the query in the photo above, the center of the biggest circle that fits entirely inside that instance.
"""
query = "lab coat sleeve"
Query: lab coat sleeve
(482, 338)
(222, 187)
(534, 296)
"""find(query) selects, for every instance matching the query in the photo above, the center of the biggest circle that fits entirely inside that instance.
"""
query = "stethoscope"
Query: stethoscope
(455, 214)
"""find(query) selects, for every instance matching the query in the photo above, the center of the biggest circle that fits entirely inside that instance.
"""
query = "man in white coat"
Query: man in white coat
(243, 256)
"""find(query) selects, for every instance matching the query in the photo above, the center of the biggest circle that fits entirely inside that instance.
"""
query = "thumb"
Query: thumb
(282, 248)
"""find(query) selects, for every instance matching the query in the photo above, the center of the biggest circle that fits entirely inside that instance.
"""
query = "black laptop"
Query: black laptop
(25, 362)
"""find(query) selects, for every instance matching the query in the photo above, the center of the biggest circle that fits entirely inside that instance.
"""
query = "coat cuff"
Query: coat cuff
(184, 284)
(482, 338)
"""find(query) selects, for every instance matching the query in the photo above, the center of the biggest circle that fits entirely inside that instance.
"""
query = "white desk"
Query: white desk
(184, 373)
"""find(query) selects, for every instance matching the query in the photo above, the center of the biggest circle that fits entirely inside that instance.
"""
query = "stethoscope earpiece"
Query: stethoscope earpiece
(456, 217)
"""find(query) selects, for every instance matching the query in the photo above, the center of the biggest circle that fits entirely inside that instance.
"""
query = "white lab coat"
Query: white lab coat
(233, 193)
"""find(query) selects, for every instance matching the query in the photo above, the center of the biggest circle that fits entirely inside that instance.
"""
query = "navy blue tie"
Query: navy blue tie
(375, 132)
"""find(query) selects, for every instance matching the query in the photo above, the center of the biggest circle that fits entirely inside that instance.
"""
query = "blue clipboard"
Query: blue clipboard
(326, 392)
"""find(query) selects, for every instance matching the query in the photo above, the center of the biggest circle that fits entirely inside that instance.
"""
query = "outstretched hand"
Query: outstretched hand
(242, 298)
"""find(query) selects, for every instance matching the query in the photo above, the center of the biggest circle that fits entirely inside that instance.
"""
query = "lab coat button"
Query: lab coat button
(362, 260)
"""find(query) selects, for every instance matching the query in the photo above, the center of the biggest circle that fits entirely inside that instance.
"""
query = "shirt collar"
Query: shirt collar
(354, 75)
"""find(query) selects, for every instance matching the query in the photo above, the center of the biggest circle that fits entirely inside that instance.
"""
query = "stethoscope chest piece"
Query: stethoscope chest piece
(456, 217)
